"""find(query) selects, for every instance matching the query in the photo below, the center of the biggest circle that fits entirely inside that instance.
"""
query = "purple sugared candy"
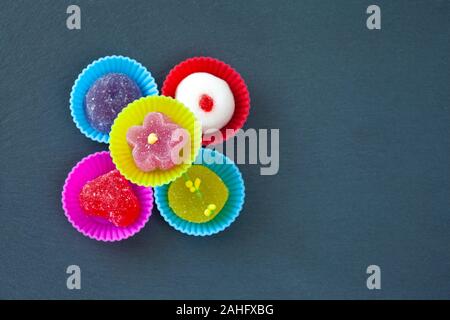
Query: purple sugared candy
(107, 97)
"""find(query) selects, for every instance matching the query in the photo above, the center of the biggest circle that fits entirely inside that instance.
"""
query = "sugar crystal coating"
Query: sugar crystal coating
(157, 144)
(111, 197)
(107, 97)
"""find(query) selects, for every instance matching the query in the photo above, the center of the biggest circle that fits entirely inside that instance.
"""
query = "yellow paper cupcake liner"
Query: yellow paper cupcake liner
(134, 114)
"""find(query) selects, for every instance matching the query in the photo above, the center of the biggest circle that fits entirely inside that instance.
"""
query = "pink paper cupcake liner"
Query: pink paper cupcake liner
(221, 70)
(99, 229)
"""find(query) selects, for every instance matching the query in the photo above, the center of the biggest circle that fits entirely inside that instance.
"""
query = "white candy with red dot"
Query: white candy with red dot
(209, 97)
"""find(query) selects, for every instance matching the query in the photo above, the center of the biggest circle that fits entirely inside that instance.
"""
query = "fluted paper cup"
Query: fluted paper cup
(133, 115)
(231, 176)
(110, 64)
(225, 72)
(96, 228)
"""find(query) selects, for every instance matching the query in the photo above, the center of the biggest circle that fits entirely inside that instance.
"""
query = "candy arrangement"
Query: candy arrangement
(155, 141)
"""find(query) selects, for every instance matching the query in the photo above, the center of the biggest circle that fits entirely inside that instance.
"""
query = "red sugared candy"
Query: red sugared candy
(111, 197)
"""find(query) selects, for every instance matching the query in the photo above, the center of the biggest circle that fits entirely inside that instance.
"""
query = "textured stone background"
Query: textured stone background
(364, 123)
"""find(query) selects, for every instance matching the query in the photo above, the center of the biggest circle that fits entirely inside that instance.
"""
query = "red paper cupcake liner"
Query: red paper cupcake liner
(225, 72)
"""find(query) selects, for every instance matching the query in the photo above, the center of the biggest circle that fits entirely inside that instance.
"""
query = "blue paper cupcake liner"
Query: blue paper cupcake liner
(98, 68)
(231, 176)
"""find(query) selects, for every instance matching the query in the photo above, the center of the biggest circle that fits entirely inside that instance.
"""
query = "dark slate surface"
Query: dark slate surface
(364, 174)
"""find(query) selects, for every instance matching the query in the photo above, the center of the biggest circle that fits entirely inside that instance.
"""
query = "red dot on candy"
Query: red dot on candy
(206, 103)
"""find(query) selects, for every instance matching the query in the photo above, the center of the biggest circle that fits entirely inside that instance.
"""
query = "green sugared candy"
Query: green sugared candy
(198, 195)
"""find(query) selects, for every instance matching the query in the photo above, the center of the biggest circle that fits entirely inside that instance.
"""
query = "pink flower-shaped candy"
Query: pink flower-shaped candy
(158, 143)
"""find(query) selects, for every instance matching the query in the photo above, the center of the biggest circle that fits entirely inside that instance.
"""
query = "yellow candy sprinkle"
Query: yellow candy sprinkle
(152, 138)
(192, 189)
(212, 207)
(188, 184)
(207, 212)
(197, 183)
